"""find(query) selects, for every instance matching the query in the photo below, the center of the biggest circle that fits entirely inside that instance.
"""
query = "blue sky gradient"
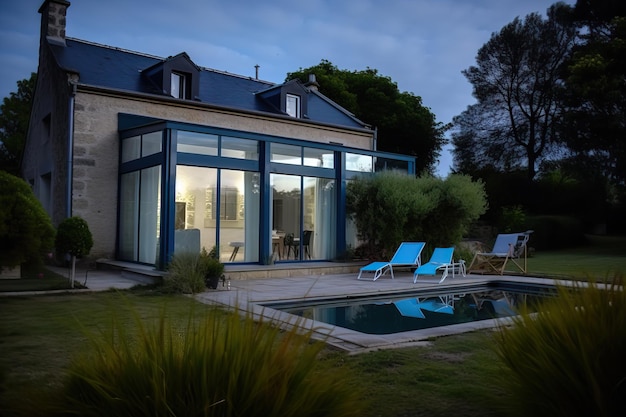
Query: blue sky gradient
(422, 45)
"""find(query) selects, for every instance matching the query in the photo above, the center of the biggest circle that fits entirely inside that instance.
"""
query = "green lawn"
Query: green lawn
(454, 375)
(40, 334)
(603, 257)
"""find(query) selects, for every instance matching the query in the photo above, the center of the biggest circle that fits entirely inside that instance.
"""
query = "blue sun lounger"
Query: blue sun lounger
(440, 260)
(407, 255)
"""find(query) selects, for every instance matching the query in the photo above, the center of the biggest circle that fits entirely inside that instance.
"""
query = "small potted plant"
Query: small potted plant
(213, 268)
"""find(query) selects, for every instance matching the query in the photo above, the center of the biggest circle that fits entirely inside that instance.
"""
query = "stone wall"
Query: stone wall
(96, 148)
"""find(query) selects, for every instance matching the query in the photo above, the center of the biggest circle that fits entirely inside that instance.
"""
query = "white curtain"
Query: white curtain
(252, 215)
(325, 233)
(149, 219)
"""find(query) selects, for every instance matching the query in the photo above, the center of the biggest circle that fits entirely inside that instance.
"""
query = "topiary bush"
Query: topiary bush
(568, 359)
(26, 232)
(73, 237)
(219, 365)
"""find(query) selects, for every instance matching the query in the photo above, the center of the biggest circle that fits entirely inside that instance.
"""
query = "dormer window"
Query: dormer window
(179, 85)
(176, 76)
(292, 105)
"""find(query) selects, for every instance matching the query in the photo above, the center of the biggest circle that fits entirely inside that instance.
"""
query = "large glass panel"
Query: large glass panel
(304, 217)
(319, 238)
(129, 214)
(387, 164)
(352, 239)
(151, 143)
(196, 223)
(240, 148)
(131, 148)
(359, 163)
(286, 154)
(285, 215)
(318, 158)
(150, 218)
(139, 227)
(198, 143)
(239, 210)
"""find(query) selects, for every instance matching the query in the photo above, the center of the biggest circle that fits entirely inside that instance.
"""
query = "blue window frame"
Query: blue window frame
(237, 204)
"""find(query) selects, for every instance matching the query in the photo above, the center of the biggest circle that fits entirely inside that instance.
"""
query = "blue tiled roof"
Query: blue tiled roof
(109, 67)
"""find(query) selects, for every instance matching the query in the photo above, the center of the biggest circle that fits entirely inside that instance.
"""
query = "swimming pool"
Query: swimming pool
(417, 310)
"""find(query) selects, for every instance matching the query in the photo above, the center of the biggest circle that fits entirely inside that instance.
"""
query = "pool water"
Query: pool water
(419, 310)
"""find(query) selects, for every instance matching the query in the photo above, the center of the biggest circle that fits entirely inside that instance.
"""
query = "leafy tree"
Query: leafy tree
(516, 84)
(404, 125)
(594, 125)
(14, 117)
(26, 231)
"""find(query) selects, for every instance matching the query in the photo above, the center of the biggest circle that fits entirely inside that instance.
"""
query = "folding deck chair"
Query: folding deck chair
(407, 255)
(508, 247)
(441, 260)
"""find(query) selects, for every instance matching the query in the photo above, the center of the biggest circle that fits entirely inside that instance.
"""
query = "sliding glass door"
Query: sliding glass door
(303, 217)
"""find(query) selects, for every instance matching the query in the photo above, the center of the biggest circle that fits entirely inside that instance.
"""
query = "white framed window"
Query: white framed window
(292, 105)
(179, 85)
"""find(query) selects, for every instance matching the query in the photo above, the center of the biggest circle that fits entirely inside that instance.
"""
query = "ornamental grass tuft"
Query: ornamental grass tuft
(568, 358)
(221, 364)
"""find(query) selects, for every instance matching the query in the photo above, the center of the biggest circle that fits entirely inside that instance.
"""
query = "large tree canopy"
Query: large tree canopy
(14, 117)
(516, 84)
(594, 125)
(404, 125)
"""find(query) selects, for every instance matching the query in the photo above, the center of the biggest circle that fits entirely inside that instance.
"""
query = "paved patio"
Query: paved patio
(310, 282)
(250, 295)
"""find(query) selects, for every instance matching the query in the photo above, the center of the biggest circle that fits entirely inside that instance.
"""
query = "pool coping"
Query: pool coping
(249, 296)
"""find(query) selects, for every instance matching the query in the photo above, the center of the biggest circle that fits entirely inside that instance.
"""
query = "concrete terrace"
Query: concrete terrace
(254, 286)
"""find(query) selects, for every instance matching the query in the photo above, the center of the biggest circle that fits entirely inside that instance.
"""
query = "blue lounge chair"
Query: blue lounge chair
(508, 247)
(407, 255)
(441, 260)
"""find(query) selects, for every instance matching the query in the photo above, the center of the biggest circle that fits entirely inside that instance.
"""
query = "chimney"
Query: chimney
(53, 20)
(312, 84)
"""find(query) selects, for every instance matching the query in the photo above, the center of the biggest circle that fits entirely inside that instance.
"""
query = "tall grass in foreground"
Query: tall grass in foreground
(220, 365)
(568, 359)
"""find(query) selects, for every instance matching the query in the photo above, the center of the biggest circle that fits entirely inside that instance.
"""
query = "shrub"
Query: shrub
(221, 365)
(73, 237)
(389, 208)
(26, 232)
(555, 232)
(567, 359)
(512, 219)
(186, 273)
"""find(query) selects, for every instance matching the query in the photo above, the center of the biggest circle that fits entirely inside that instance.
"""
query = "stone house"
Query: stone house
(161, 155)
